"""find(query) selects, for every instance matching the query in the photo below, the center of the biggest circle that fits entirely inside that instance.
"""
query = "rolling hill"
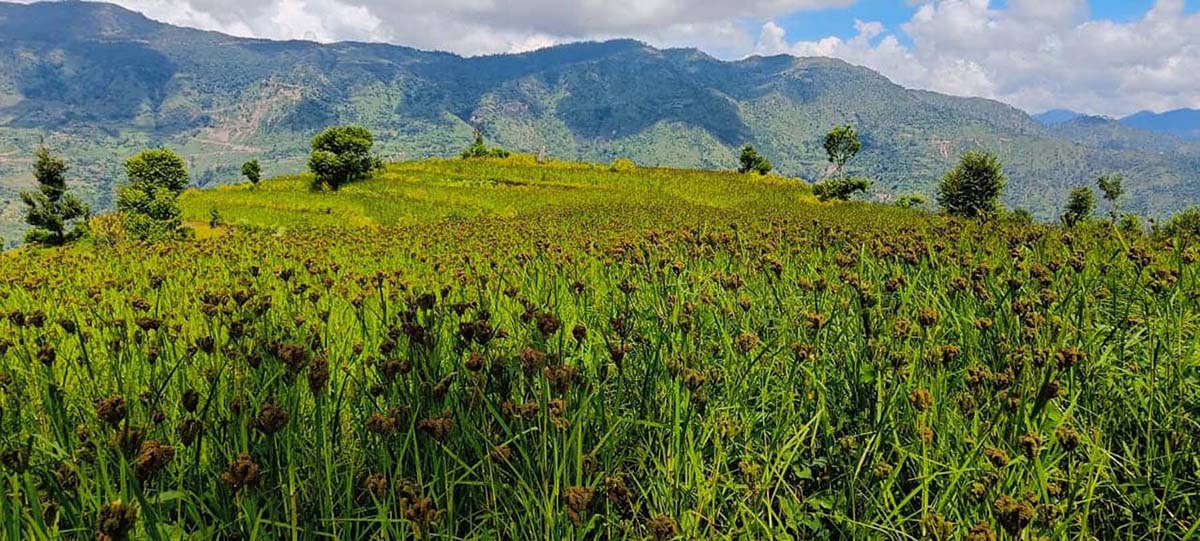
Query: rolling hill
(1181, 122)
(99, 82)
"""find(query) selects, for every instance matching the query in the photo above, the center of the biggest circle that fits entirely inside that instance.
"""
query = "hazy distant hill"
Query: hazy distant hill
(1182, 122)
(1056, 116)
(100, 82)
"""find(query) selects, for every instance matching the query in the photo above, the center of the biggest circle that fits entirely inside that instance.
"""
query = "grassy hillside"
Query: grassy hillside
(503, 350)
(427, 191)
(112, 82)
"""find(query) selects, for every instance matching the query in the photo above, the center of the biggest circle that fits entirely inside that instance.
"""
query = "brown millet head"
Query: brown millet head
(240, 473)
(112, 410)
(318, 374)
(1031, 445)
(190, 400)
(115, 522)
(271, 418)
(617, 491)
(437, 427)
(383, 425)
(1067, 438)
(152, 459)
(981, 532)
(997, 457)
(502, 453)
(376, 485)
(1014, 515)
(663, 528)
(921, 400)
(189, 430)
(578, 500)
(421, 512)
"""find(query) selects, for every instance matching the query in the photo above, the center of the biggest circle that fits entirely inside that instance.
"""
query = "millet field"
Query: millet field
(505, 349)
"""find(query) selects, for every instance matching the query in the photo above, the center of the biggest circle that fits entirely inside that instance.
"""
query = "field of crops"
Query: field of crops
(507, 350)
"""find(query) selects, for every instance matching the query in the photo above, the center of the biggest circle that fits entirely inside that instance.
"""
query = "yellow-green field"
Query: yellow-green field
(511, 350)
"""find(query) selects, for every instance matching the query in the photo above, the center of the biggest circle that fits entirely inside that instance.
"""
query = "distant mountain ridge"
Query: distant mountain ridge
(1184, 123)
(100, 82)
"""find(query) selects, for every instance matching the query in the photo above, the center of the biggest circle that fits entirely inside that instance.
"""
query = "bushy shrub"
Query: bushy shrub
(912, 201)
(972, 189)
(1185, 225)
(841, 188)
(1081, 203)
(479, 150)
(752, 161)
(341, 155)
(623, 165)
(148, 204)
(252, 171)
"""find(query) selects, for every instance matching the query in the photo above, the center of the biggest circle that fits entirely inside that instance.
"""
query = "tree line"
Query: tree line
(148, 207)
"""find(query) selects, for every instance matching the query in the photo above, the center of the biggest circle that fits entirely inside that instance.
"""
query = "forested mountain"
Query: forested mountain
(99, 82)
(1182, 122)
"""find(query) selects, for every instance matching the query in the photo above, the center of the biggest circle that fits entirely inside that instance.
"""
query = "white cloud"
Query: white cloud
(482, 26)
(1035, 54)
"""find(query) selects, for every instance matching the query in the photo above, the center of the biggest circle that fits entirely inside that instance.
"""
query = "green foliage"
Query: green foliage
(493, 349)
(142, 84)
(479, 150)
(158, 168)
(972, 189)
(752, 161)
(1185, 225)
(148, 204)
(840, 188)
(1020, 216)
(912, 201)
(1112, 186)
(56, 216)
(623, 165)
(341, 155)
(1081, 203)
(252, 171)
(842, 145)
(1131, 224)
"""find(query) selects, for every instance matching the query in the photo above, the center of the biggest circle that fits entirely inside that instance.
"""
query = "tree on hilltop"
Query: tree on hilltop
(972, 189)
(841, 146)
(149, 204)
(752, 161)
(341, 155)
(57, 216)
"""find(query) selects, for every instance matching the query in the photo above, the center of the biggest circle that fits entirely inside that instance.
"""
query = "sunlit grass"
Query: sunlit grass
(559, 351)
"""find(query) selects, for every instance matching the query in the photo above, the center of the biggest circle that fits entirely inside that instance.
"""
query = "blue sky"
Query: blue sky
(893, 13)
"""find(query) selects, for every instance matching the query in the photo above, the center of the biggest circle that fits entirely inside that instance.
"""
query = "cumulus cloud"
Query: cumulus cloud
(482, 26)
(1035, 54)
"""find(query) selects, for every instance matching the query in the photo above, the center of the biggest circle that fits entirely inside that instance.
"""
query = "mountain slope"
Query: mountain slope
(1056, 116)
(1184, 123)
(100, 82)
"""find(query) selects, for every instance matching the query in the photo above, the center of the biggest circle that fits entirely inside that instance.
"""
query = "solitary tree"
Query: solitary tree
(751, 160)
(1080, 205)
(252, 171)
(479, 150)
(842, 145)
(342, 155)
(972, 189)
(1110, 186)
(148, 204)
(56, 215)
